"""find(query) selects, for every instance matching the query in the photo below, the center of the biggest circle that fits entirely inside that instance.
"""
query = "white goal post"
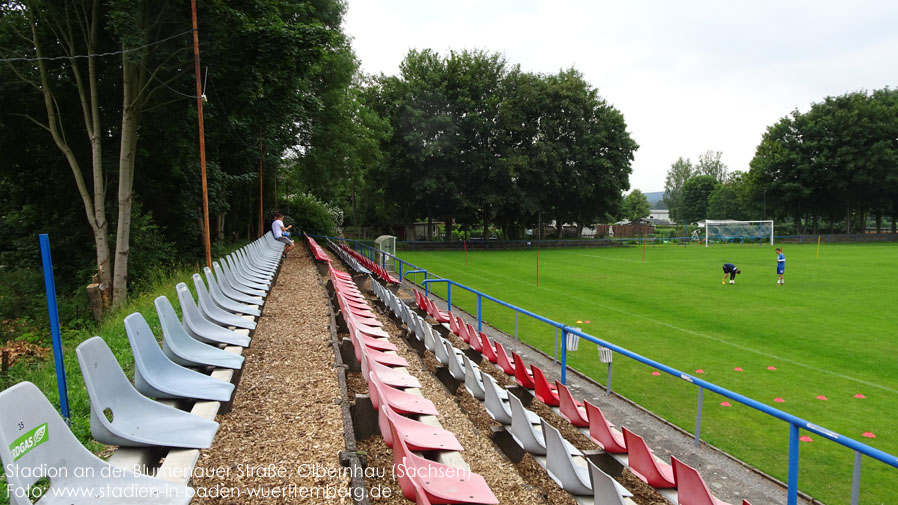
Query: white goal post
(731, 230)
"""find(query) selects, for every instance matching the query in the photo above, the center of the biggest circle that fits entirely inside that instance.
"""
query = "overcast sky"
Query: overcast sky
(688, 76)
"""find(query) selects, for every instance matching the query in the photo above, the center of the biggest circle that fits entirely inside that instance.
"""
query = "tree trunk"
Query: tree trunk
(428, 233)
(355, 220)
(878, 216)
(127, 152)
(559, 226)
(220, 226)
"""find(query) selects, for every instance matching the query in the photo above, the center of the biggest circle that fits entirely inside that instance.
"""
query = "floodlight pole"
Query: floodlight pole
(199, 108)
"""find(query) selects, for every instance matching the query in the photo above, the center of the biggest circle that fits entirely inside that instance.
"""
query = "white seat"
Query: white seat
(157, 376)
(529, 437)
(456, 368)
(229, 290)
(213, 312)
(186, 350)
(606, 490)
(201, 328)
(240, 268)
(226, 303)
(136, 420)
(430, 339)
(560, 465)
(236, 283)
(496, 400)
(35, 441)
(473, 380)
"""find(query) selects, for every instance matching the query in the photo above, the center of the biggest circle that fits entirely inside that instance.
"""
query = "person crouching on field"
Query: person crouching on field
(278, 229)
(731, 270)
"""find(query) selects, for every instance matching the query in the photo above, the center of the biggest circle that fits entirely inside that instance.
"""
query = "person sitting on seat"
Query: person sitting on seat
(278, 230)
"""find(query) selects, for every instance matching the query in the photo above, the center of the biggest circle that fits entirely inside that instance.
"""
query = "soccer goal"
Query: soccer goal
(738, 231)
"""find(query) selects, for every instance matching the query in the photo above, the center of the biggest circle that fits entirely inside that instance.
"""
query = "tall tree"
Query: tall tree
(680, 172)
(709, 163)
(696, 192)
(635, 206)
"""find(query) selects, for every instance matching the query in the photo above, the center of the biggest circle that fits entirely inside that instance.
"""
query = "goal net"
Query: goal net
(738, 231)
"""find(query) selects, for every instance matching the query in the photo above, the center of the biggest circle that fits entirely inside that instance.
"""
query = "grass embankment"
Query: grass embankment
(829, 333)
(43, 372)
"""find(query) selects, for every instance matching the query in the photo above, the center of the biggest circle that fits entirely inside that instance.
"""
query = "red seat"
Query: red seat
(376, 355)
(439, 483)
(502, 359)
(691, 488)
(437, 314)
(522, 376)
(453, 325)
(542, 390)
(419, 300)
(420, 495)
(387, 375)
(402, 402)
(574, 413)
(473, 339)
(645, 465)
(601, 432)
(417, 435)
(487, 348)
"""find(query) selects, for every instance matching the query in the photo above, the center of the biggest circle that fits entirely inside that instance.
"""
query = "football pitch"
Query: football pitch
(823, 347)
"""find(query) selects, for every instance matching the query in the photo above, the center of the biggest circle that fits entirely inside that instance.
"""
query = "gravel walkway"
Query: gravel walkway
(281, 441)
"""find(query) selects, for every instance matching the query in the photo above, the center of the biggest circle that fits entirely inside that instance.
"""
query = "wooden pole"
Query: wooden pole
(261, 206)
(199, 108)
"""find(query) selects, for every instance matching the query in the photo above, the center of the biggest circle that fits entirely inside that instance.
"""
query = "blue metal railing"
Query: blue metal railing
(795, 423)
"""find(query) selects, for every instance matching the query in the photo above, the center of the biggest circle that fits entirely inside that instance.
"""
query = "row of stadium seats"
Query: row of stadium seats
(627, 447)
(195, 366)
(370, 265)
(408, 422)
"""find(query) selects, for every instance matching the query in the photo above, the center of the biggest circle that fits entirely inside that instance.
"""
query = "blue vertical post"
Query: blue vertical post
(448, 297)
(792, 490)
(50, 285)
(479, 312)
(563, 356)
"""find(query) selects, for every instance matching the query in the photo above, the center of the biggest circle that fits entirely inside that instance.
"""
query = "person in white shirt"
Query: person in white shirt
(278, 229)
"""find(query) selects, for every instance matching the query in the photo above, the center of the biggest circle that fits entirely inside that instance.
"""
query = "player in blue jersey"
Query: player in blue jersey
(731, 270)
(780, 266)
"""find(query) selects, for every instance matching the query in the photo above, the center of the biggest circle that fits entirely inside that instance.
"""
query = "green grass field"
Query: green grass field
(830, 331)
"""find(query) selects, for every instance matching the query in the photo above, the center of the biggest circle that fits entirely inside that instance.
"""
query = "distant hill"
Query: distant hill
(655, 197)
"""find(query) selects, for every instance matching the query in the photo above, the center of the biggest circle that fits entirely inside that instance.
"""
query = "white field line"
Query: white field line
(695, 333)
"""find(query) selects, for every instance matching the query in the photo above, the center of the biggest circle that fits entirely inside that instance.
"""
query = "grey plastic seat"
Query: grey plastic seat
(157, 376)
(232, 293)
(201, 328)
(229, 304)
(243, 288)
(606, 490)
(186, 350)
(560, 465)
(496, 400)
(136, 420)
(240, 269)
(456, 370)
(27, 417)
(251, 266)
(439, 350)
(473, 380)
(213, 312)
(529, 437)
(228, 263)
(430, 339)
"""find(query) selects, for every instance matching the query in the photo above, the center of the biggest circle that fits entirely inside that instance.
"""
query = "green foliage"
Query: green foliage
(838, 159)
(310, 215)
(696, 193)
(635, 206)
(680, 172)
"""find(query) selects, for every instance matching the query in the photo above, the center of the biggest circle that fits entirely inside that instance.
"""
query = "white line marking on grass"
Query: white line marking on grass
(703, 335)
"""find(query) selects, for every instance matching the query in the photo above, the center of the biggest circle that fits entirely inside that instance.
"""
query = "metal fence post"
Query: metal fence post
(449, 296)
(479, 313)
(856, 479)
(516, 313)
(792, 489)
(698, 417)
(563, 355)
(53, 311)
(555, 356)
